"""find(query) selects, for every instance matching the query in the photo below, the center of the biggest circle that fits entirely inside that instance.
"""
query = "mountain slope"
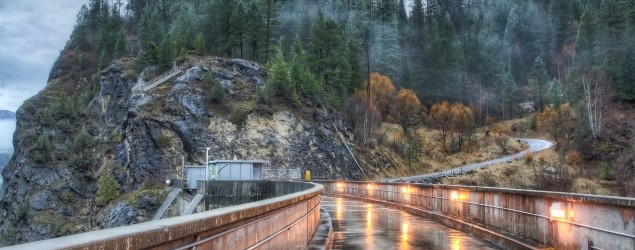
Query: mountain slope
(100, 127)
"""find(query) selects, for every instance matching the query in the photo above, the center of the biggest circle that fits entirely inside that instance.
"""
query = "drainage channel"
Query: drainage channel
(360, 225)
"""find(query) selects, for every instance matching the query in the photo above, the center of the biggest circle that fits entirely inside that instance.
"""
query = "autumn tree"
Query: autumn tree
(382, 92)
(501, 134)
(441, 119)
(557, 122)
(462, 122)
(406, 109)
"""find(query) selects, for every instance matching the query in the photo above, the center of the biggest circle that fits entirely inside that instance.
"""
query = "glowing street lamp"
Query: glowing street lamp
(454, 195)
(558, 210)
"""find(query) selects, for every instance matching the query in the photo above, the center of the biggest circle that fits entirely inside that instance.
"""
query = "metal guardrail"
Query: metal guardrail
(282, 174)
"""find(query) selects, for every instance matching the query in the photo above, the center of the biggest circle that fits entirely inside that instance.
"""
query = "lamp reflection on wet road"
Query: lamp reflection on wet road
(360, 225)
(339, 210)
(456, 243)
(404, 236)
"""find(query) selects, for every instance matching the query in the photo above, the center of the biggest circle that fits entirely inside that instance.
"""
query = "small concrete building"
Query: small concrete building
(226, 170)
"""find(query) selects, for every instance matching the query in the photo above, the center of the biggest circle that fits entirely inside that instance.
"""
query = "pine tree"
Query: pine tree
(270, 18)
(327, 56)
(150, 28)
(237, 28)
(81, 29)
(611, 43)
(199, 44)
(107, 189)
(538, 79)
(255, 30)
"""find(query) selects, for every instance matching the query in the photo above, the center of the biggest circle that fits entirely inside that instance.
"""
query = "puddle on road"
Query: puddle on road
(360, 225)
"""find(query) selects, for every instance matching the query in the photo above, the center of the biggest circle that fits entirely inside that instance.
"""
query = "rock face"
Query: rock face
(52, 181)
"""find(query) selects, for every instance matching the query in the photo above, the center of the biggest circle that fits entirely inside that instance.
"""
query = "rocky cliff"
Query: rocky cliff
(82, 132)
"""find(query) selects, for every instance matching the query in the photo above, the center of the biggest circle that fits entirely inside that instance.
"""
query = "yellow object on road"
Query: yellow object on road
(307, 176)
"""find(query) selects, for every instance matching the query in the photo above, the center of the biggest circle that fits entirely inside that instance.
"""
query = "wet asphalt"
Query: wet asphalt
(360, 225)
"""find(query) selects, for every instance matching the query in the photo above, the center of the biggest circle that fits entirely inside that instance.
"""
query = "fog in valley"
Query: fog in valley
(7, 127)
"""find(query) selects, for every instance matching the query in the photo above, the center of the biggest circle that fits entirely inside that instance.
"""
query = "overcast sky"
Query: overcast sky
(32, 34)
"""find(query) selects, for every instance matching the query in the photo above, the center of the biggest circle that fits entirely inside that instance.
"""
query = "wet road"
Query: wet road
(535, 145)
(360, 225)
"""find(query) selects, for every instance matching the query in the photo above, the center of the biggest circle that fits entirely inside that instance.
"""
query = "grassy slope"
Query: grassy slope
(384, 161)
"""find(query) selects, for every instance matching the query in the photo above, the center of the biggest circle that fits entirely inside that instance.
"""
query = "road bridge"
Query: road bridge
(383, 215)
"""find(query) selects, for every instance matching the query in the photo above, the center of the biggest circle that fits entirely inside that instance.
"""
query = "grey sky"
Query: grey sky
(32, 34)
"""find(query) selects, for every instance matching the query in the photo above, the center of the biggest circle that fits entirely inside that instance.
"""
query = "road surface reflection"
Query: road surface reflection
(360, 225)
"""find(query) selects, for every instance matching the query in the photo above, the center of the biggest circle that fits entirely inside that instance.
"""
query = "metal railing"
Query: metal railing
(524, 213)
(282, 174)
(162, 78)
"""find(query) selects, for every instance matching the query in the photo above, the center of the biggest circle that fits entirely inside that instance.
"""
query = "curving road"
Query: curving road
(535, 145)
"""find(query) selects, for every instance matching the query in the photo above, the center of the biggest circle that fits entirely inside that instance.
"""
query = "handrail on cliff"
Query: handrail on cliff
(162, 78)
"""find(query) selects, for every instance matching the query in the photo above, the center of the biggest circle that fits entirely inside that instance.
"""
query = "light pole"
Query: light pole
(207, 163)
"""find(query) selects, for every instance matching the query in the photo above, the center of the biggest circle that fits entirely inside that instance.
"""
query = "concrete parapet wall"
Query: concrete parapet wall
(607, 222)
(284, 222)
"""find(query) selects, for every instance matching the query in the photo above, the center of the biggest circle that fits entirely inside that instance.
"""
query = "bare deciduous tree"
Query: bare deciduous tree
(593, 102)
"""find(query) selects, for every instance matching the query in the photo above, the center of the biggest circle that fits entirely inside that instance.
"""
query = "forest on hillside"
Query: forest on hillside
(501, 58)
(452, 64)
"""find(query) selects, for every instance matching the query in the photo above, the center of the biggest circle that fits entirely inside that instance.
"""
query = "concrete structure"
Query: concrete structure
(226, 170)
(284, 222)
(503, 216)
(193, 174)
(217, 194)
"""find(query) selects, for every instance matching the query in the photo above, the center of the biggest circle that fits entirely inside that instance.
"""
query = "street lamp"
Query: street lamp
(207, 164)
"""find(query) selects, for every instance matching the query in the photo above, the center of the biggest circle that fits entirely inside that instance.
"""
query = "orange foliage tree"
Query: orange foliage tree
(557, 122)
(406, 108)
(441, 119)
(501, 134)
(462, 122)
(382, 92)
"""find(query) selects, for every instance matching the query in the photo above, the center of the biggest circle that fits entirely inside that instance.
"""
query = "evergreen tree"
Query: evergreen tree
(538, 79)
(255, 30)
(150, 28)
(303, 80)
(327, 56)
(237, 28)
(199, 44)
(270, 18)
(610, 47)
(81, 29)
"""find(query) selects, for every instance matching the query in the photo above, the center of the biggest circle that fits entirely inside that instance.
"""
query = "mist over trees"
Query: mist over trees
(499, 58)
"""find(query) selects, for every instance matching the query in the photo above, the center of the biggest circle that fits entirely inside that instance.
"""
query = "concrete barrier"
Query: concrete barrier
(510, 218)
(284, 222)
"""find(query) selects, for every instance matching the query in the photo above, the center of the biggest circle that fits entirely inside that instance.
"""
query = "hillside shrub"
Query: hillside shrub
(217, 95)
(164, 141)
(40, 151)
(107, 189)
(529, 158)
(607, 171)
